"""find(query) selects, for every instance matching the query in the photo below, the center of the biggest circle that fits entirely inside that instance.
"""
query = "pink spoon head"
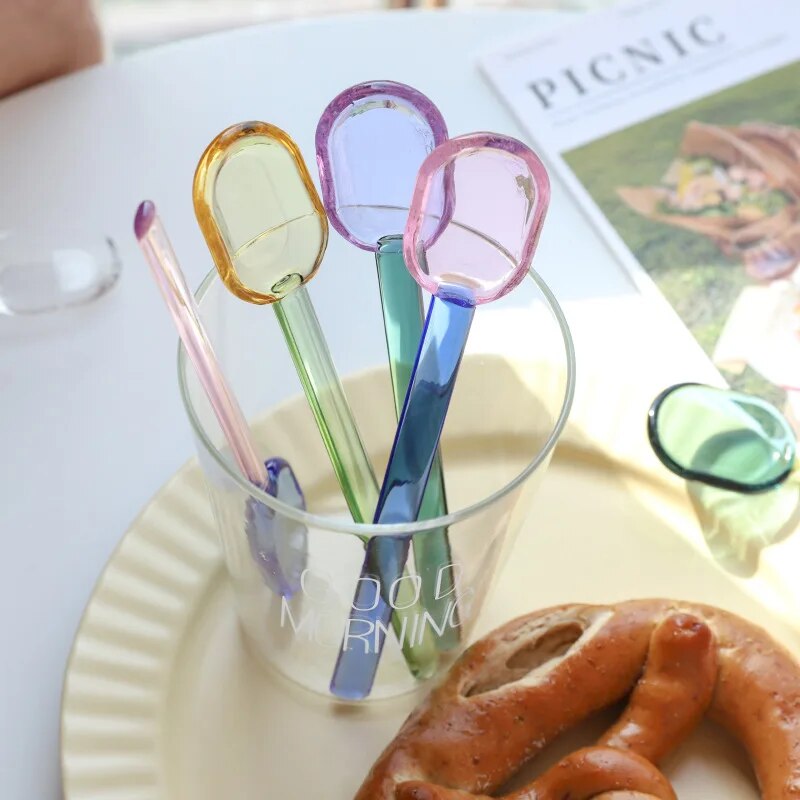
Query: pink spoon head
(370, 142)
(500, 193)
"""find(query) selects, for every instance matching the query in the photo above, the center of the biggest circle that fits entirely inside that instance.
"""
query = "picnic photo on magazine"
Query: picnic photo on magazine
(696, 185)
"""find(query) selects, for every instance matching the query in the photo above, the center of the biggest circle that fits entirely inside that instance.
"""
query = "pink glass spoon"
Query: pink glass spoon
(277, 544)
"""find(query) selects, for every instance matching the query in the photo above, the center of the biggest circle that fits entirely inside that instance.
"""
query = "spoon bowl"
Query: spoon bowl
(259, 212)
(721, 437)
(500, 191)
(370, 142)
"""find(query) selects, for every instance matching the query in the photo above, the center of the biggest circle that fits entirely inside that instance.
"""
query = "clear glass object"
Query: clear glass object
(507, 412)
(54, 270)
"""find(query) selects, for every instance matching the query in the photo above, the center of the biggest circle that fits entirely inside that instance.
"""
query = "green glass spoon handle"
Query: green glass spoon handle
(403, 321)
(337, 426)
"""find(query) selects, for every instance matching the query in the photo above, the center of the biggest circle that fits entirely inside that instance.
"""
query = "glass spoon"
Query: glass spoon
(481, 252)
(370, 141)
(721, 437)
(278, 545)
(267, 231)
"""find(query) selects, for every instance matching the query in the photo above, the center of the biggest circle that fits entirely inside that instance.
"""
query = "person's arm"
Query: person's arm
(40, 39)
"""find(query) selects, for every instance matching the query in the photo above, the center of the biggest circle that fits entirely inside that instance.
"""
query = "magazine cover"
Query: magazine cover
(677, 125)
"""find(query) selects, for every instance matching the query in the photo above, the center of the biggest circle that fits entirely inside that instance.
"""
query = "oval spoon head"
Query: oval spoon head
(721, 438)
(259, 212)
(499, 192)
(370, 142)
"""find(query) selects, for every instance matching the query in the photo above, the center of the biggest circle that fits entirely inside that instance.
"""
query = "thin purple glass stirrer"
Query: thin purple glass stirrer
(278, 544)
(501, 192)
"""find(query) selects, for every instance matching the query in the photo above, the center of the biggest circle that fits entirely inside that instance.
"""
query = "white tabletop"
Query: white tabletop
(91, 420)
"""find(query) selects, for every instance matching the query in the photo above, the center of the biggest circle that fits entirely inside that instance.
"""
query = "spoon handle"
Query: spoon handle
(416, 441)
(279, 566)
(337, 426)
(178, 298)
(401, 301)
(325, 393)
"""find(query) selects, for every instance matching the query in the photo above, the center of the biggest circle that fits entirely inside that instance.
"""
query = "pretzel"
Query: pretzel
(623, 796)
(518, 688)
(674, 691)
(580, 776)
(667, 702)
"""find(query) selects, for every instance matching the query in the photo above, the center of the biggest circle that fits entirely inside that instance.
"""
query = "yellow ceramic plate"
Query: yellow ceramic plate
(161, 702)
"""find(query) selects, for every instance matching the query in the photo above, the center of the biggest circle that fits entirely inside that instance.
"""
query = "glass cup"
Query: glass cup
(510, 405)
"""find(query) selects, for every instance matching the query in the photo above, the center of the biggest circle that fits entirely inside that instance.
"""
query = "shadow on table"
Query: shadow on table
(737, 527)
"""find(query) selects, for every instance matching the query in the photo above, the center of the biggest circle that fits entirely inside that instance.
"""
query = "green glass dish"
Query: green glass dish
(721, 438)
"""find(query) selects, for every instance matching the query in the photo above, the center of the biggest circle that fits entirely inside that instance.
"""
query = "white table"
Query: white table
(91, 421)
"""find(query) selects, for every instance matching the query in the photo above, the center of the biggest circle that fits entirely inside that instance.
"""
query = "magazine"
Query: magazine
(676, 123)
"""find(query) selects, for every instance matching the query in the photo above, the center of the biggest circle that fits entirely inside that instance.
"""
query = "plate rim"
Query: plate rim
(188, 472)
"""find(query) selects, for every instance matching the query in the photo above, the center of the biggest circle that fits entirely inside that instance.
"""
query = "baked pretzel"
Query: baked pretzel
(623, 796)
(518, 688)
(582, 775)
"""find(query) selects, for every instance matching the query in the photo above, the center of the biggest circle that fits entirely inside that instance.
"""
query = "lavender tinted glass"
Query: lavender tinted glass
(370, 141)
(500, 193)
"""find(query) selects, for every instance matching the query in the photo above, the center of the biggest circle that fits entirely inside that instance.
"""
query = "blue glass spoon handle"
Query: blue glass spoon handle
(416, 441)
(337, 426)
(401, 302)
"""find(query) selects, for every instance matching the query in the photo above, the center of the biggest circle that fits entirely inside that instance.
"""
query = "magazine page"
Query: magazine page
(676, 123)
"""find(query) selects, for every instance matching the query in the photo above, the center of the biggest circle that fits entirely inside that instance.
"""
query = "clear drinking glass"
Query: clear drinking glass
(510, 405)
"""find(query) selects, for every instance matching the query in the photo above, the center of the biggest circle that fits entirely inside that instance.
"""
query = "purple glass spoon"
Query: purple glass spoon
(370, 141)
